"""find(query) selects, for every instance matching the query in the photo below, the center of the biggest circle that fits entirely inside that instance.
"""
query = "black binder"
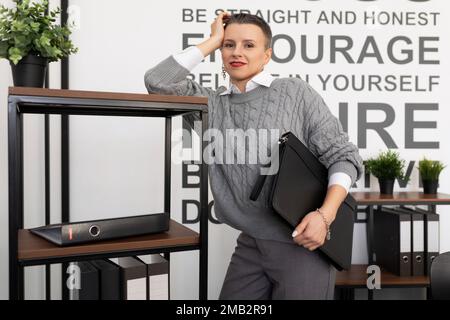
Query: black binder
(417, 242)
(431, 235)
(133, 275)
(299, 187)
(64, 234)
(109, 275)
(392, 230)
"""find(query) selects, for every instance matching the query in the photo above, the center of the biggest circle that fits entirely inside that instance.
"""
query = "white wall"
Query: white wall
(116, 163)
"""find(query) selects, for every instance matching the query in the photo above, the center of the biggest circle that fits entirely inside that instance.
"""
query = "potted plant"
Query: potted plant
(386, 167)
(429, 171)
(30, 38)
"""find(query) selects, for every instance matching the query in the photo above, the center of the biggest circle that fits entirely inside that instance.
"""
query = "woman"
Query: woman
(270, 261)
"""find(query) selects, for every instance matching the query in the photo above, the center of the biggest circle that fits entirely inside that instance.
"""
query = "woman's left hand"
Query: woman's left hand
(311, 232)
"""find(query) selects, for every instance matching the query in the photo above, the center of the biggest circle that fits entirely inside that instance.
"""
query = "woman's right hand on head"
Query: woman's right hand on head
(215, 40)
(217, 28)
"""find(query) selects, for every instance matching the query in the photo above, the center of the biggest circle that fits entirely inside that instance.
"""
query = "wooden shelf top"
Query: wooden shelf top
(356, 277)
(77, 94)
(407, 197)
(32, 247)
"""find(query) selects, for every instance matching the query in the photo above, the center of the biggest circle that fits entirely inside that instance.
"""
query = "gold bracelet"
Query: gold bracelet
(326, 223)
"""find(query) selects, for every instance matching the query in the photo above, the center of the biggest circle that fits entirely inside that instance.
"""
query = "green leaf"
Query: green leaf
(3, 49)
(15, 55)
(18, 26)
(54, 53)
(35, 26)
(22, 41)
(44, 41)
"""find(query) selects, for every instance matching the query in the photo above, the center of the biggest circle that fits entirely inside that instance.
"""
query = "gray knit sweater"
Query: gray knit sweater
(290, 104)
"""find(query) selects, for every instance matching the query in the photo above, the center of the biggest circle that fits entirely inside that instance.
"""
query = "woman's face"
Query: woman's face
(243, 52)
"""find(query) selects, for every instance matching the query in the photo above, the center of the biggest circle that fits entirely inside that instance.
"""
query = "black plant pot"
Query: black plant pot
(29, 72)
(386, 186)
(430, 186)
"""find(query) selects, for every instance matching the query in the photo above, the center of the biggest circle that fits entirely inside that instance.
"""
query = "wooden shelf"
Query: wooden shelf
(77, 94)
(55, 101)
(400, 198)
(32, 247)
(356, 277)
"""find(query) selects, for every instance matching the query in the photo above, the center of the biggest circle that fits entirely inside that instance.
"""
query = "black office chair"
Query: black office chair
(440, 277)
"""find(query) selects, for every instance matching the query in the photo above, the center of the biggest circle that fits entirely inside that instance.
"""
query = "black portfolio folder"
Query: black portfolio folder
(299, 187)
(88, 231)
(392, 231)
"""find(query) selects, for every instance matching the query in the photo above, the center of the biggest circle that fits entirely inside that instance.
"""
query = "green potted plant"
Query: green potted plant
(386, 167)
(429, 171)
(30, 38)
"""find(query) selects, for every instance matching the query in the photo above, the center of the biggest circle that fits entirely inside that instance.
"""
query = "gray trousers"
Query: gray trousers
(264, 269)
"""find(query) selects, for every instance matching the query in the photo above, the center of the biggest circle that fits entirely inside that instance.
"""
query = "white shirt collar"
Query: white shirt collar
(261, 79)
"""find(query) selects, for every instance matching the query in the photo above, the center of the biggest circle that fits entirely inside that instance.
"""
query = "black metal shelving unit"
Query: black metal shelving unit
(66, 102)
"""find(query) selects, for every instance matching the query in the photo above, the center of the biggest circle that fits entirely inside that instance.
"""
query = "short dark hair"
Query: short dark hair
(246, 18)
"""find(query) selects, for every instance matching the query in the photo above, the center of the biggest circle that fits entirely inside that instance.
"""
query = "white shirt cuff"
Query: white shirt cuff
(189, 57)
(341, 179)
